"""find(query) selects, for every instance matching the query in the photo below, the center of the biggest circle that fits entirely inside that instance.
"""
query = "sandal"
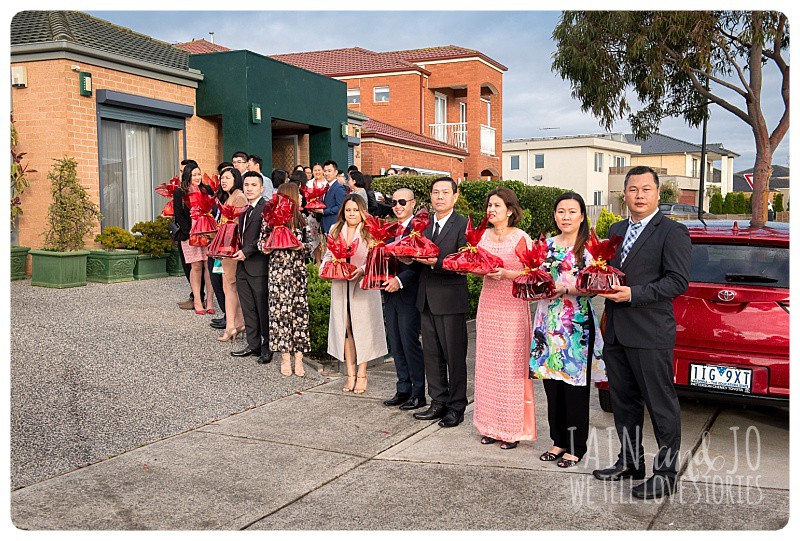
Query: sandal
(299, 370)
(487, 440)
(549, 457)
(286, 365)
(349, 388)
(363, 389)
(509, 444)
(567, 462)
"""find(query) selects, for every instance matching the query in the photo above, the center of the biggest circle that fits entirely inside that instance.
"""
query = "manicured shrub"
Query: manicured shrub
(72, 214)
(748, 200)
(729, 206)
(114, 237)
(319, 307)
(604, 222)
(777, 202)
(475, 285)
(717, 205)
(739, 203)
(154, 238)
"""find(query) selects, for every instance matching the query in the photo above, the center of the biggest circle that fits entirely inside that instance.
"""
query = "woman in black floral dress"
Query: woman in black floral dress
(288, 293)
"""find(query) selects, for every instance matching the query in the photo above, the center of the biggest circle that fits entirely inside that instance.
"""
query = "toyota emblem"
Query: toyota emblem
(726, 295)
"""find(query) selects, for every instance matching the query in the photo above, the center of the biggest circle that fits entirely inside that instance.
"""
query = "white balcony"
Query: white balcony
(487, 140)
(452, 133)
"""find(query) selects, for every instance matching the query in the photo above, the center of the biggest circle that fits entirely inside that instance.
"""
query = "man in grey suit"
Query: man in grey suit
(640, 335)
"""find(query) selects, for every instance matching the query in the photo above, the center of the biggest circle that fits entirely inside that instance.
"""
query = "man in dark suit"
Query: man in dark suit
(333, 198)
(640, 335)
(251, 273)
(443, 301)
(403, 319)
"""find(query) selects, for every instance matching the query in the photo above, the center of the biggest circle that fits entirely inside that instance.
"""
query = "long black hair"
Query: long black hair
(583, 230)
(238, 183)
(186, 176)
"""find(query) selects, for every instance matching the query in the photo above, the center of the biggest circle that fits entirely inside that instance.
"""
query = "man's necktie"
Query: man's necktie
(247, 216)
(435, 231)
(630, 238)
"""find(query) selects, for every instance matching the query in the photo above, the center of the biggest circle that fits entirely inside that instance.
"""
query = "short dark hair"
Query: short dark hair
(253, 174)
(186, 162)
(278, 177)
(358, 179)
(640, 170)
(511, 202)
(298, 177)
(239, 154)
(352, 168)
(256, 160)
(444, 179)
(331, 162)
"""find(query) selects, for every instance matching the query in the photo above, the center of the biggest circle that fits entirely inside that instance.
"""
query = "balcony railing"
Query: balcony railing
(487, 140)
(452, 133)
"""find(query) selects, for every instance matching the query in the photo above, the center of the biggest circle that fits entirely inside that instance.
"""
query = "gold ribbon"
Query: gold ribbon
(468, 248)
(373, 243)
(599, 263)
(414, 233)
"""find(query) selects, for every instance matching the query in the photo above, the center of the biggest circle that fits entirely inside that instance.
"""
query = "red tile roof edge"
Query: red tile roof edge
(191, 47)
(374, 127)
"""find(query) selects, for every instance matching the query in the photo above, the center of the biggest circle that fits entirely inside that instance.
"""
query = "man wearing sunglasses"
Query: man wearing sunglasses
(403, 319)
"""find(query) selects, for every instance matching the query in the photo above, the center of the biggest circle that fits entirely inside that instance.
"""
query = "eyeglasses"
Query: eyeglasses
(401, 202)
(238, 161)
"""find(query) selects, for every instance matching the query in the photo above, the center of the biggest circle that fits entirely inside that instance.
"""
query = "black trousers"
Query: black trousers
(216, 283)
(187, 270)
(403, 326)
(639, 377)
(444, 348)
(255, 308)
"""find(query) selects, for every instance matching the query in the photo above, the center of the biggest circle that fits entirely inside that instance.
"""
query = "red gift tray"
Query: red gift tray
(227, 242)
(338, 268)
(535, 283)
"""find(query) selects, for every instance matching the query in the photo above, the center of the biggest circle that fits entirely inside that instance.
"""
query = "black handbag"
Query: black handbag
(174, 231)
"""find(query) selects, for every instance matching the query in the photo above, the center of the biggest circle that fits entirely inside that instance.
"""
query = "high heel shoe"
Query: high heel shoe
(228, 335)
(210, 311)
(349, 388)
(286, 365)
(299, 369)
(200, 312)
(363, 389)
(240, 333)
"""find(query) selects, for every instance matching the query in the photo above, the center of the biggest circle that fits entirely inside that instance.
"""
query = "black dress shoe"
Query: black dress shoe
(246, 352)
(218, 320)
(436, 411)
(413, 403)
(217, 325)
(657, 486)
(618, 472)
(397, 399)
(452, 418)
(265, 357)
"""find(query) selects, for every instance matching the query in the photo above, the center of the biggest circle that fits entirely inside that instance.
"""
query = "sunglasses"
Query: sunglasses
(401, 202)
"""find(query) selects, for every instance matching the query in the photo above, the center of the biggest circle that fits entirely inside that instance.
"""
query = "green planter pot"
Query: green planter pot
(58, 269)
(109, 267)
(148, 267)
(19, 258)
(174, 267)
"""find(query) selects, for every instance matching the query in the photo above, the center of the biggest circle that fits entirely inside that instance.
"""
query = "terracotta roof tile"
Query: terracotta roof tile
(350, 61)
(393, 133)
(444, 52)
(201, 46)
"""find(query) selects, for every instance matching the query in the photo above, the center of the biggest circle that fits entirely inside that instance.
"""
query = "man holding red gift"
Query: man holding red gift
(333, 198)
(640, 335)
(443, 300)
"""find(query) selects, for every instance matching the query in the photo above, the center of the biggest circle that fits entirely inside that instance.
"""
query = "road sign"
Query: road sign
(749, 179)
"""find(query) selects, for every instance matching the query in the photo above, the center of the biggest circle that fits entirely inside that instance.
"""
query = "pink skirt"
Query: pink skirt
(192, 254)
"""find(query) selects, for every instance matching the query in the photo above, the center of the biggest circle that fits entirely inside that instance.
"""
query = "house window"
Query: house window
(598, 162)
(538, 161)
(619, 161)
(598, 198)
(353, 95)
(380, 94)
(695, 168)
(462, 112)
(135, 159)
(488, 112)
(515, 163)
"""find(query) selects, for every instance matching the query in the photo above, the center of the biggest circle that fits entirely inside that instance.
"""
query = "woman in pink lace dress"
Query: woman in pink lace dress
(504, 406)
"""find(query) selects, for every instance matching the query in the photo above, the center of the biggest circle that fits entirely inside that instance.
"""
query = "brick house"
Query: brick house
(443, 104)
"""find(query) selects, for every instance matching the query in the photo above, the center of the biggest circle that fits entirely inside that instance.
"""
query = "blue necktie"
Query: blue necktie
(630, 238)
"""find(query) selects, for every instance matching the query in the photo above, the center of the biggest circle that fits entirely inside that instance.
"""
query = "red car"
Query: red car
(733, 322)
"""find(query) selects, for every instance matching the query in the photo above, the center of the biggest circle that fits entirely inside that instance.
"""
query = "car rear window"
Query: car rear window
(766, 266)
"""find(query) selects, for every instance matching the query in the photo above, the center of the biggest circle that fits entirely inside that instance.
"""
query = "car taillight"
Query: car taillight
(784, 305)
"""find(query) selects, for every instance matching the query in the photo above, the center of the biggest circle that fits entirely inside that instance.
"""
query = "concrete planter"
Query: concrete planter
(58, 269)
(174, 267)
(110, 266)
(19, 258)
(148, 267)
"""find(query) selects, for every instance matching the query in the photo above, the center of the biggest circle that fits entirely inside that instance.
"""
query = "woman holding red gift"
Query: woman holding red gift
(566, 350)
(504, 406)
(230, 193)
(288, 292)
(355, 330)
(196, 256)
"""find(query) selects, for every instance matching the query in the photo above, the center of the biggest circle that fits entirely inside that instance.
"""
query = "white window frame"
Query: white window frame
(598, 197)
(381, 89)
(619, 161)
(488, 112)
(598, 162)
(462, 111)
(511, 164)
(534, 161)
(439, 108)
(356, 93)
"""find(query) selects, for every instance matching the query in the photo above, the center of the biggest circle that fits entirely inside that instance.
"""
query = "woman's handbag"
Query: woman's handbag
(174, 231)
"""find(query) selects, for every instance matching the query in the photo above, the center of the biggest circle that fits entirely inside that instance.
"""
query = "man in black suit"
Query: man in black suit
(640, 335)
(443, 300)
(251, 273)
(403, 319)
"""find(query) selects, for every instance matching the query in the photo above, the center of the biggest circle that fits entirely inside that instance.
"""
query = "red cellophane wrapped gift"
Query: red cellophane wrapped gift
(315, 196)
(415, 244)
(277, 213)
(227, 241)
(338, 268)
(380, 266)
(166, 189)
(471, 258)
(534, 283)
(212, 182)
(599, 276)
(203, 223)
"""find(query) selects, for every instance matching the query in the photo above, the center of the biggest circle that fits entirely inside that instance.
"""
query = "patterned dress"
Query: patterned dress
(288, 298)
(504, 405)
(560, 345)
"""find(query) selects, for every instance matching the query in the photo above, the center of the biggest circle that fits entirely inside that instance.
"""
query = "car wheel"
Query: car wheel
(605, 400)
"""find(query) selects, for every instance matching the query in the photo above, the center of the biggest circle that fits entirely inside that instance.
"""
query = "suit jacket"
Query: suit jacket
(657, 271)
(409, 277)
(256, 262)
(333, 201)
(445, 291)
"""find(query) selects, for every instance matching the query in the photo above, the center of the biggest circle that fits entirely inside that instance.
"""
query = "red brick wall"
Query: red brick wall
(54, 120)
(402, 109)
(377, 155)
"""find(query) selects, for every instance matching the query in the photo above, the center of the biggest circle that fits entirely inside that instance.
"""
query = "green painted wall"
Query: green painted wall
(236, 79)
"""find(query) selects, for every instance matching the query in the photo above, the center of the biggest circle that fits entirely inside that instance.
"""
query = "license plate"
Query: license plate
(725, 378)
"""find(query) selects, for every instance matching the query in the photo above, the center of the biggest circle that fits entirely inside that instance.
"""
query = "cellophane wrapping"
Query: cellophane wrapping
(338, 268)
(277, 213)
(166, 189)
(535, 283)
(599, 277)
(380, 265)
(315, 196)
(415, 244)
(227, 242)
(203, 223)
(471, 258)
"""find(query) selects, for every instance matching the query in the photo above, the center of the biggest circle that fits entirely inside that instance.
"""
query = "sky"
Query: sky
(536, 101)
